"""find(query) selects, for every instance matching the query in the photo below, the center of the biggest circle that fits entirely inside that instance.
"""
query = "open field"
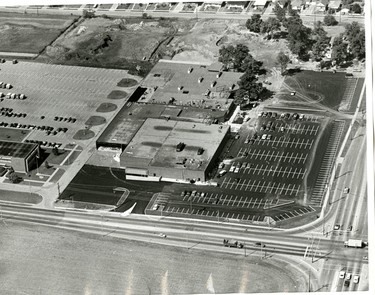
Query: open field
(30, 33)
(78, 263)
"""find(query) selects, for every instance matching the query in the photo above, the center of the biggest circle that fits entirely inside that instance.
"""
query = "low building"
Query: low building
(298, 4)
(335, 5)
(260, 4)
(20, 156)
(174, 150)
(237, 4)
(195, 85)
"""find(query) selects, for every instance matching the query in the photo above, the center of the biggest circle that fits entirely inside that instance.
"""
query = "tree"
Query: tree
(14, 178)
(233, 57)
(298, 36)
(271, 25)
(352, 30)
(329, 20)
(358, 45)
(321, 41)
(280, 12)
(356, 8)
(88, 14)
(249, 87)
(339, 51)
(55, 151)
(250, 64)
(254, 23)
(283, 60)
(356, 38)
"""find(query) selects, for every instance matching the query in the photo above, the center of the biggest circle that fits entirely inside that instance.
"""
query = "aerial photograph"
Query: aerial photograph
(211, 147)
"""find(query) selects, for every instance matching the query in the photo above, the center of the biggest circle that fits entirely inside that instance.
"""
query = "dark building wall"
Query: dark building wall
(217, 153)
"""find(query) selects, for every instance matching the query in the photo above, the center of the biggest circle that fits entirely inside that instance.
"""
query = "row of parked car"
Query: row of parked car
(193, 194)
(11, 114)
(10, 95)
(44, 143)
(65, 119)
(274, 115)
(5, 85)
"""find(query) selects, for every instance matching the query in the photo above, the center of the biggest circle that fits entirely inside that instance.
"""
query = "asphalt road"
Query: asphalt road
(180, 233)
(41, 260)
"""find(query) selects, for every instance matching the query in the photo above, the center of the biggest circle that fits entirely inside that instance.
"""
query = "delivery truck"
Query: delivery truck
(351, 243)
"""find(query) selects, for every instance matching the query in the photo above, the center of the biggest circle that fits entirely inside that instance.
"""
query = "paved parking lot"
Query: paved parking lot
(272, 158)
(224, 207)
(58, 91)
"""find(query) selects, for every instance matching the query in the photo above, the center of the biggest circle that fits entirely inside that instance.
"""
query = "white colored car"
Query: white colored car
(342, 274)
(237, 170)
(356, 279)
(348, 276)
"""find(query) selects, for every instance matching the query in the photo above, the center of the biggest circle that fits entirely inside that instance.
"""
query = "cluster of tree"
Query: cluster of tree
(14, 177)
(299, 40)
(330, 20)
(320, 41)
(239, 59)
(349, 45)
(269, 26)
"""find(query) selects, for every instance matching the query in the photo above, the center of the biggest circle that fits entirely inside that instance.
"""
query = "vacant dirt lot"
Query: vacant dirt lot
(205, 39)
(118, 43)
(30, 33)
(40, 260)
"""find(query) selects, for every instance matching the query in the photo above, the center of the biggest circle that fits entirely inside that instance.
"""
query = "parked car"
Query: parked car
(356, 279)
(342, 274)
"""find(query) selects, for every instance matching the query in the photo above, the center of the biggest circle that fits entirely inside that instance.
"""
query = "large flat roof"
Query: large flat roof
(156, 141)
(188, 84)
(16, 149)
(130, 118)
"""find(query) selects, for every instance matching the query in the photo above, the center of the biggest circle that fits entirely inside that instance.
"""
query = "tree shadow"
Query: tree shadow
(292, 72)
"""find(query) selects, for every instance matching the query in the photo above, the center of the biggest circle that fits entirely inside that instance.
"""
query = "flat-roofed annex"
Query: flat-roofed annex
(196, 85)
(16, 149)
(156, 142)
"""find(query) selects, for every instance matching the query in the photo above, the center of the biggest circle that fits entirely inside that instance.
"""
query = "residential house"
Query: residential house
(237, 4)
(298, 4)
(322, 5)
(260, 4)
(334, 5)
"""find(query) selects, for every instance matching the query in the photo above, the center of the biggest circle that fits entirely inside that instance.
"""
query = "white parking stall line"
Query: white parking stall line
(242, 184)
(290, 158)
(304, 173)
(304, 160)
(234, 201)
(254, 203)
(209, 199)
(222, 199)
(183, 199)
(239, 201)
(230, 199)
